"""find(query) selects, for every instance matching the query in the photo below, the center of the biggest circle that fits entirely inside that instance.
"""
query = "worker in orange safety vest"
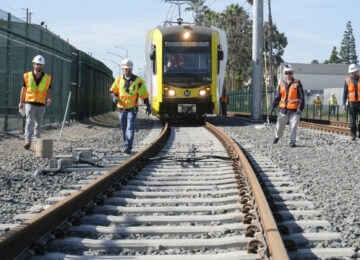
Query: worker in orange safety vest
(290, 98)
(224, 101)
(352, 95)
(36, 91)
(125, 92)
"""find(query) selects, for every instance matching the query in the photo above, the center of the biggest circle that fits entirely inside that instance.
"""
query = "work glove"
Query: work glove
(344, 107)
(148, 109)
(272, 111)
(298, 111)
(115, 99)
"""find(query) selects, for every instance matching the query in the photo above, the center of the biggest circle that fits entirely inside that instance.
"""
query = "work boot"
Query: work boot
(292, 144)
(353, 137)
(27, 145)
(276, 140)
(127, 151)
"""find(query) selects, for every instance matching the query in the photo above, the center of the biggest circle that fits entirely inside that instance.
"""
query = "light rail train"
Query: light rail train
(185, 68)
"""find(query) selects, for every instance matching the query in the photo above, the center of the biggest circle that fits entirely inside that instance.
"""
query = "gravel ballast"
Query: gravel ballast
(20, 189)
(325, 165)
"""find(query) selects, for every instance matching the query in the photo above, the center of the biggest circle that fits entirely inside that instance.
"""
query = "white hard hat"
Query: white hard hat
(332, 93)
(39, 59)
(318, 95)
(288, 67)
(127, 64)
(353, 68)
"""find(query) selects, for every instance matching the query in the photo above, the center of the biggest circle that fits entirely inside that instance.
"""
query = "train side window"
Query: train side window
(153, 58)
(220, 56)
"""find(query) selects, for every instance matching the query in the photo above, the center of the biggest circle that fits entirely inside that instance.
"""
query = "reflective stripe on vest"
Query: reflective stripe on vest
(292, 97)
(352, 90)
(128, 100)
(36, 93)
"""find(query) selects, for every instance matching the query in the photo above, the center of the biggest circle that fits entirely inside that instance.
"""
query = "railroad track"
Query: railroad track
(337, 127)
(187, 199)
(305, 232)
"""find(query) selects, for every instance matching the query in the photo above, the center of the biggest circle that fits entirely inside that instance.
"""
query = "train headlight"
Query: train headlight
(171, 92)
(202, 92)
(186, 35)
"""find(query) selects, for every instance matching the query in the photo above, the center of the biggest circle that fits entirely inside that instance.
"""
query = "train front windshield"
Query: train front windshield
(187, 63)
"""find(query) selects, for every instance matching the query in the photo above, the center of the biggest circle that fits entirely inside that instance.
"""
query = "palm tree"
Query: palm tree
(199, 8)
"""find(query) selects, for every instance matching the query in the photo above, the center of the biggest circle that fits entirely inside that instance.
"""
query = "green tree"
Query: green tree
(348, 48)
(315, 62)
(237, 25)
(334, 58)
(279, 42)
(200, 9)
(235, 21)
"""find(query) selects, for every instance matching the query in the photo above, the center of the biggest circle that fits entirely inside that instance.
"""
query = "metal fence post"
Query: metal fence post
(61, 88)
(79, 113)
(307, 110)
(320, 112)
(26, 58)
(8, 73)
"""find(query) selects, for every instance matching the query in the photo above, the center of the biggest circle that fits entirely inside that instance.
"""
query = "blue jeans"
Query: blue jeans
(354, 110)
(127, 121)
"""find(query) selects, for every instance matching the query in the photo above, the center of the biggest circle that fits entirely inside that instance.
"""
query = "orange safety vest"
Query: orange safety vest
(128, 100)
(224, 99)
(36, 93)
(289, 100)
(352, 90)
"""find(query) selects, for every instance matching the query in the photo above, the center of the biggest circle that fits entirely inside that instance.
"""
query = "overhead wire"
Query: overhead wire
(167, 15)
(174, 15)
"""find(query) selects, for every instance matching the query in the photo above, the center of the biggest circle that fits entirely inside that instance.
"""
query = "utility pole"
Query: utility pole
(270, 48)
(256, 62)
(126, 50)
(27, 14)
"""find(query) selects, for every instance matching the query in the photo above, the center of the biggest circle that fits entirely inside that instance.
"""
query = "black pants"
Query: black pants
(332, 109)
(224, 109)
(354, 110)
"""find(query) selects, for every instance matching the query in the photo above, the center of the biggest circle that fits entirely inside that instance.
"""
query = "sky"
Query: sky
(108, 29)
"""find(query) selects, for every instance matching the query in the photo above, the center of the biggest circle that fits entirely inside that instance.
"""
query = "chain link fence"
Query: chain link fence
(240, 101)
(72, 70)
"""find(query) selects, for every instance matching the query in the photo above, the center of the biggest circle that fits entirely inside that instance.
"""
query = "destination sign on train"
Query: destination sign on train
(187, 44)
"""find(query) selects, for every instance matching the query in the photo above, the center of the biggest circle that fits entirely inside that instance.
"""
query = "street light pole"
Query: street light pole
(126, 50)
(115, 63)
(113, 53)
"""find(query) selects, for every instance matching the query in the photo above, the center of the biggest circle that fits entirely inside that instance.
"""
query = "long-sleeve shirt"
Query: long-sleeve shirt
(300, 95)
(345, 95)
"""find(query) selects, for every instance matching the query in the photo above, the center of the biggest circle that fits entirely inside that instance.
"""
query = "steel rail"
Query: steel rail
(326, 128)
(24, 235)
(337, 127)
(272, 235)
